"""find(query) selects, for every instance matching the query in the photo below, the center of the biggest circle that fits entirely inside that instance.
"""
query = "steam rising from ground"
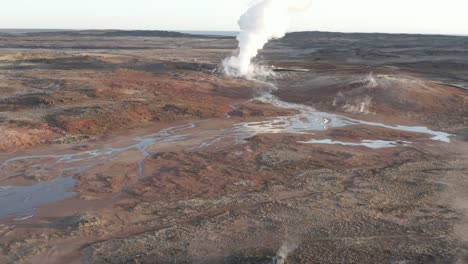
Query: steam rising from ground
(265, 20)
(290, 244)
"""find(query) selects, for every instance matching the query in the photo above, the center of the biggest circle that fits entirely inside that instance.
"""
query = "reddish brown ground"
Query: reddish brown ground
(231, 203)
(397, 97)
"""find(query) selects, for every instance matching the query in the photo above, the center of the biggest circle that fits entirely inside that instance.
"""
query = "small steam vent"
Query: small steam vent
(279, 260)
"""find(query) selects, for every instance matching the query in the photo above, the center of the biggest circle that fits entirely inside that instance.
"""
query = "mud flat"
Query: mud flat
(131, 147)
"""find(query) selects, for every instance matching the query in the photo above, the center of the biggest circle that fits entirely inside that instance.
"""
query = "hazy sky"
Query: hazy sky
(413, 16)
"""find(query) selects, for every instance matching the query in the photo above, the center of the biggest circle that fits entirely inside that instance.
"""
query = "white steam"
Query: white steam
(289, 245)
(265, 20)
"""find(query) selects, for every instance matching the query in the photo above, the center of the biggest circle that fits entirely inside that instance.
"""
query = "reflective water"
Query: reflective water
(20, 201)
(374, 144)
(310, 119)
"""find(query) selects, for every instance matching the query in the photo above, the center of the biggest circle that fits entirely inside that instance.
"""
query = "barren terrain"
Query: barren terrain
(133, 147)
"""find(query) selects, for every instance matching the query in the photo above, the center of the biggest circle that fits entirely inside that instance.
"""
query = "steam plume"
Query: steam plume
(289, 245)
(265, 20)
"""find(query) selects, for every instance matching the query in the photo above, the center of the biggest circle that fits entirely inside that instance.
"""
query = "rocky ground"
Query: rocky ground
(132, 147)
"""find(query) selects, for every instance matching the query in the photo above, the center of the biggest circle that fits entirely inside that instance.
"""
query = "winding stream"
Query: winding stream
(21, 202)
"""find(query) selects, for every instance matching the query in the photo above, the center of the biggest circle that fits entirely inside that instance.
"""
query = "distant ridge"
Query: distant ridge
(122, 33)
(211, 33)
(188, 33)
(364, 34)
(29, 30)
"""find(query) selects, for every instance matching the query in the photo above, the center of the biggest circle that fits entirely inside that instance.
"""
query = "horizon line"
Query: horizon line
(231, 31)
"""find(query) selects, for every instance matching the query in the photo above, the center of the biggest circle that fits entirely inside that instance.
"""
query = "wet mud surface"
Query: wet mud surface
(125, 149)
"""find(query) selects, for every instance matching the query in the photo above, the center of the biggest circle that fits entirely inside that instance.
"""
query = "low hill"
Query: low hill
(124, 33)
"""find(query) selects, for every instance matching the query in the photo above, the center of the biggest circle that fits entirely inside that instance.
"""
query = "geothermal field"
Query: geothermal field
(163, 147)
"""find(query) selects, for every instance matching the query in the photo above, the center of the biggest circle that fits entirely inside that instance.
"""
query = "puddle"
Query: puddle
(373, 144)
(21, 201)
(310, 119)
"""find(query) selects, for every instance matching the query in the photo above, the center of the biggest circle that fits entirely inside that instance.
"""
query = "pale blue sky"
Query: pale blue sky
(411, 16)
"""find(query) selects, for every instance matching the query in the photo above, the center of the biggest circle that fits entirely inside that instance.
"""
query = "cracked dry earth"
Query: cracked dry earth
(143, 156)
